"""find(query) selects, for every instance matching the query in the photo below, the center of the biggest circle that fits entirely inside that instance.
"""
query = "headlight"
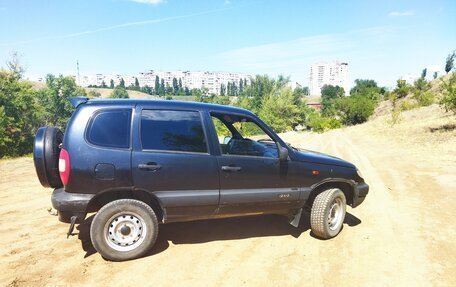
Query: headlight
(359, 173)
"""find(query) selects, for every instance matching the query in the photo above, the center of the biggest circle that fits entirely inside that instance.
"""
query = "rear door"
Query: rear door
(171, 159)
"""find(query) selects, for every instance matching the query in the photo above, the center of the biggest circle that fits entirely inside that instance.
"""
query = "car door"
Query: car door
(171, 159)
(252, 178)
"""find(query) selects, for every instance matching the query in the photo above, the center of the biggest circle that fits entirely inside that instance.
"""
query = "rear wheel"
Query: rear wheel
(124, 229)
(328, 213)
(46, 153)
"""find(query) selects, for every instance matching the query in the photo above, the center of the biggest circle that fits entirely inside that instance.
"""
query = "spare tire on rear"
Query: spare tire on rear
(46, 151)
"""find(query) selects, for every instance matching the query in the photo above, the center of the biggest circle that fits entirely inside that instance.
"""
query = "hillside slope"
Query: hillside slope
(132, 94)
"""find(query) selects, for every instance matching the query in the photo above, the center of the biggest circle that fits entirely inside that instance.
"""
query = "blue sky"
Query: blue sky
(380, 40)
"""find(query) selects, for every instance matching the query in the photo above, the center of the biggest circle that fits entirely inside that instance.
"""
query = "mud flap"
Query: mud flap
(294, 219)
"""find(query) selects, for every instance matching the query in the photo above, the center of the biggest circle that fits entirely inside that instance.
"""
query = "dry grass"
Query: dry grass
(423, 130)
(132, 94)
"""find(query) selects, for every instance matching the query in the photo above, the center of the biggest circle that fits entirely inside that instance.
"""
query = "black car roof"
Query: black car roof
(169, 104)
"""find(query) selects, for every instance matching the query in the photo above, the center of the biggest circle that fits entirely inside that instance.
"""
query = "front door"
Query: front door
(252, 178)
(172, 161)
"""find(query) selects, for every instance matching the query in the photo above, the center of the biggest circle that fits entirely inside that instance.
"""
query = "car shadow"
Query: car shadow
(203, 231)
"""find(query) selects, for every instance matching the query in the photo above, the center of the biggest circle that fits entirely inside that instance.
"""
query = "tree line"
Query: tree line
(177, 88)
(24, 108)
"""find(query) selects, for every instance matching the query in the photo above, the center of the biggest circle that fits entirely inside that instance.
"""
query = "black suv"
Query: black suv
(138, 163)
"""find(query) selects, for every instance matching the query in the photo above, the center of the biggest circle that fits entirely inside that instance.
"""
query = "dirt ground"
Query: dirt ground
(402, 235)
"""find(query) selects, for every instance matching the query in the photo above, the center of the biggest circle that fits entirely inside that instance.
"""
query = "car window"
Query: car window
(242, 136)
(110, 128)
(172, 131)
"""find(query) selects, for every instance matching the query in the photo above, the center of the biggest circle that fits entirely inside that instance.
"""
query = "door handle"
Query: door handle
(149, 166)
(231, 168)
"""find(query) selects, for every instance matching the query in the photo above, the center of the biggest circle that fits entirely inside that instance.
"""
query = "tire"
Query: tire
(328, 213)
(46, 152)
(124, 229)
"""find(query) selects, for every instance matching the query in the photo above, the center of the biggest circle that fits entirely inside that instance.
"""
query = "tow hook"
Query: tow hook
(73, 221)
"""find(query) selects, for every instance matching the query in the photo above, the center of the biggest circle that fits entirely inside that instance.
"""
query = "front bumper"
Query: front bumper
(70, 204)
(360, 192)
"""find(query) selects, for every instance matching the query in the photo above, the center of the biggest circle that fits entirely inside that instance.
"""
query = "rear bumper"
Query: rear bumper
(360, 193)
(70, 204)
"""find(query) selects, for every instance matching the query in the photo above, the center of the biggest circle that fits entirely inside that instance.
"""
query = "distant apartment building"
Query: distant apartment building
(212, 81)
(323, 73)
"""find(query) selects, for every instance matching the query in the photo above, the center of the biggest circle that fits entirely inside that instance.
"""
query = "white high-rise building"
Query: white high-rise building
(323, 73)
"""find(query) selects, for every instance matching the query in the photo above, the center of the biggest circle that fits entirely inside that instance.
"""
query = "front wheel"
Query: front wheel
(328, 213)
(124, 229)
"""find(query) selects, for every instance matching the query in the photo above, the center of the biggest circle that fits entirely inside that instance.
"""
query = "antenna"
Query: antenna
(77, 65)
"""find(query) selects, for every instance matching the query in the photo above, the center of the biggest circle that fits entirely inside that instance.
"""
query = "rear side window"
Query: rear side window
(172, 131)
(110, 128)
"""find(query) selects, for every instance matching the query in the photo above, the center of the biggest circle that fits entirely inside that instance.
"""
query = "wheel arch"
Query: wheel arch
(102, 198)
(346, 186)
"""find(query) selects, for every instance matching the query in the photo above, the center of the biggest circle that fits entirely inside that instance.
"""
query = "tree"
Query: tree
(402, 89)
(423, 73)
(119, 93)
(368, 89)
(354, 109)
(111, 85)
(449, 93)
(197, 95)
(241, 86)
(329, 94)
(20, 113)
(157, 85)
(435, 75)
(148, 90)
(161, 90)
(137, 87)
(175, 90)
(169, 90)
(103, 84)
(306, 91)
(279, 111)
(180, 85)
(55, 99)
(449, 63)
(222, 90)
(259, 87)
(122, 83)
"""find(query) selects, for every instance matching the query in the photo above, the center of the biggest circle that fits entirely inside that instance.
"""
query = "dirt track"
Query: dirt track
(402, 235)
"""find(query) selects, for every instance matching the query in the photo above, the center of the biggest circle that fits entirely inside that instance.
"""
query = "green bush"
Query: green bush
(402, 89)
(449, 93)
(119, 93)
(425, 98)
(408, 105)
(355, 109)
(20, 114)
(317, 123)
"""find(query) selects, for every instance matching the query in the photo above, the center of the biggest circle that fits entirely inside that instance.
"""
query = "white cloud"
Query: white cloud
(401, 14)
(114, 27)
(293, 57)
(152, 2)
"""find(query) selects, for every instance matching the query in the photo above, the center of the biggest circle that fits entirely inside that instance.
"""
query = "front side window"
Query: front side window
(239, 135)
(172, 131)
(110, 128)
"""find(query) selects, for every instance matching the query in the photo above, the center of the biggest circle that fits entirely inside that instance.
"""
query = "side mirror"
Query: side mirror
(283, 152)
(226, 140)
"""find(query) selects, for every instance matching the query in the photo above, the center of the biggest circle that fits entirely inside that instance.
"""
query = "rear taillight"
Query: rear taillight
(64, 166)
